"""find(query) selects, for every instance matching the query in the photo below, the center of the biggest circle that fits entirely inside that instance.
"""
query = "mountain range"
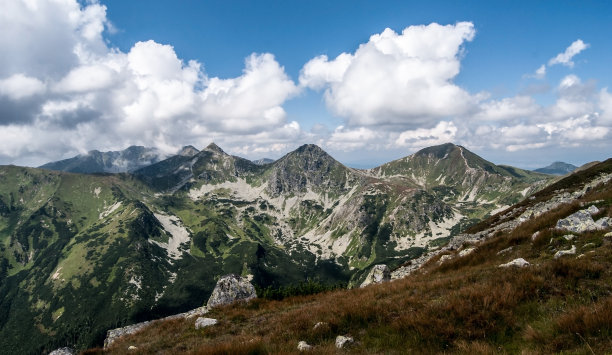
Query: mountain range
(83, 253)
(557, 168)
(534, 279)
(129, 159)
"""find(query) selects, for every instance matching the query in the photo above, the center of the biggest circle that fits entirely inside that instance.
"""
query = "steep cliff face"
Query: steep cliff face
(310, 168)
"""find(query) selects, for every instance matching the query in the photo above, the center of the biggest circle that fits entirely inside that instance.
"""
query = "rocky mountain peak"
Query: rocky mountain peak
(214, 148)
(95, 161)
(309, 166)
(310, 148)
(439, 151)
(309, 153)
(188, 151)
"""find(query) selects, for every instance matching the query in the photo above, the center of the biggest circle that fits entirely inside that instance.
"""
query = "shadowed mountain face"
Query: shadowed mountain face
(95, 161)
(557, 168)
(85, 253)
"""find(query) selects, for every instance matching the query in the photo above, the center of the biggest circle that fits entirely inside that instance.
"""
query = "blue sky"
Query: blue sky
(249, 75)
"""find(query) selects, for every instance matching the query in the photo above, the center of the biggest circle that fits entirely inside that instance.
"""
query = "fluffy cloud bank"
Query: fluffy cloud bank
(396, 80)
(62, 90)
(397, 91)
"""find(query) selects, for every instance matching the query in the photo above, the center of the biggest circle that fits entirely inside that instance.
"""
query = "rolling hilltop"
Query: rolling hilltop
(85, 253)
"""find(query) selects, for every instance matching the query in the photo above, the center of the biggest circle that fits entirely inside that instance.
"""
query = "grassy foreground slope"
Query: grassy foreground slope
(464, 304)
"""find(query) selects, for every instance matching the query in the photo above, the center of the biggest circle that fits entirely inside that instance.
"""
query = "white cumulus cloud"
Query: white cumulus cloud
(396, 80)
(565, 58)
(443, 132)
(64, 84)
(19, 86)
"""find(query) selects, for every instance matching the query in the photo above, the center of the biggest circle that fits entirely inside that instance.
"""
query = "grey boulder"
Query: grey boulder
(203, 322)
(229, 289)
(343, 341)
(582, 221)
(378, 274)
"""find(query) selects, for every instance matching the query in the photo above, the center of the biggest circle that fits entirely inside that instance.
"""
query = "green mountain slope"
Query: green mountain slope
(85, 253)
(466, 299)
(474, 186)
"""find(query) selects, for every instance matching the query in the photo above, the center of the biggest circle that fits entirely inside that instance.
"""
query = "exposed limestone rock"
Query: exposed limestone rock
(504, 251)
(62, 351)
(604, 223)
(194, 312)
(114, 334)
(342, 341)
(132, 348)
(588, 245)
(578, 222)
(203, 322)
(303, 346)
(607, 238)
(569, 237)
(592, 210)
(535, 235)
(561, 253)
(454, 244)
(520, 262)
(231, 288)
(582, 221)
(319, 325)
(466, 252)
(378, 274)
(445, 257)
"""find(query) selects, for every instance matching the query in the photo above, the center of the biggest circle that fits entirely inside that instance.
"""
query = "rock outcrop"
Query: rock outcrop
(303, 346)
(520, 262)
(203, 322)
(343, 341)
(466, 252)
(62, 351)
(229, 289)
(114, 334)
(561, 253)
(378, 274)
(582, 221)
